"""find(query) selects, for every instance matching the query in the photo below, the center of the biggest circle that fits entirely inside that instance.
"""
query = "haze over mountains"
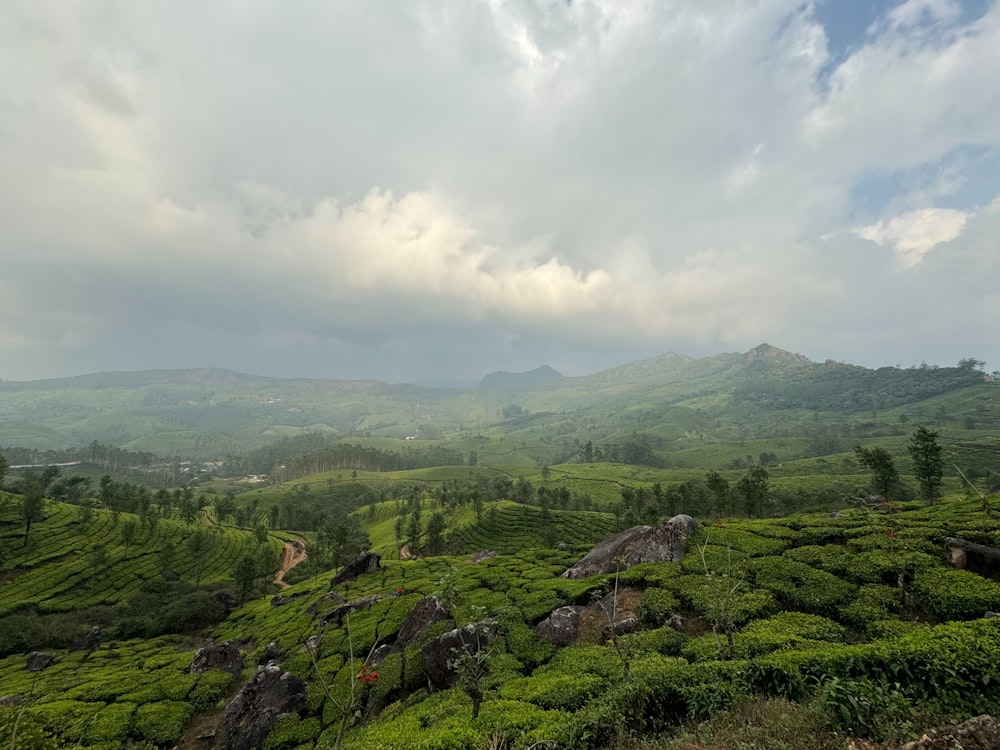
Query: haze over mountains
(211, 413)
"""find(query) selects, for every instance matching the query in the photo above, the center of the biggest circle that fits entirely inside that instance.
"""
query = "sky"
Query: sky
(439, 189)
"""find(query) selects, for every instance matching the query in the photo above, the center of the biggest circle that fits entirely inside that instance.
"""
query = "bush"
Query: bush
(656, 605)
(112, 723)
(162, 722)
(951, 594)
(863, 708)
(800, 586)
(564, 692)
(292, 731)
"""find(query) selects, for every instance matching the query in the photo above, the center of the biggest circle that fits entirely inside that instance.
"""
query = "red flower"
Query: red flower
(718, 522)
(367, 675)
(400, 592)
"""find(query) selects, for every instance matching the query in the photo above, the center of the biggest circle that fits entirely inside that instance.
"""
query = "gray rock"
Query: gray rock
(437, 656)
(271, 695)
(39, 660)
(978, 733)
(272, 652)
(366, 562)
(663, 543)
(424, 614)
(336, 616)
(483, 555)
(225, 656)
(89, 642)
(562, 626)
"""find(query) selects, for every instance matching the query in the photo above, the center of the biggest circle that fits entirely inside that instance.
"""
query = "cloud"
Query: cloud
(472, 186)
(914, 233)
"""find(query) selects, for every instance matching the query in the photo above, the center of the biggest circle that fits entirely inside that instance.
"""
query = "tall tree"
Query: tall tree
(879, 462)
(755, 488)
(32, 501)
(928, 464)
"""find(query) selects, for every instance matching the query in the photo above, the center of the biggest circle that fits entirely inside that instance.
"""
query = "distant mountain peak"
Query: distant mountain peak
(767, 351)
(502, 378)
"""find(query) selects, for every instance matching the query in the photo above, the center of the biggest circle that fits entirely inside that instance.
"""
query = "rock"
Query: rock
(366, 562)
(14, 699)
(437, 655)
(271, 695)
(379, 655)
(280, 600)
(562, 626)
(483, 555)
(562, 546)
(336, 616)
(424, 614)
(312, 643)
(89, 642)
(978, 733)
(39, 660)
(317, 605)
(991, 615)
(225, 656)
(272, 652)
(663, 543)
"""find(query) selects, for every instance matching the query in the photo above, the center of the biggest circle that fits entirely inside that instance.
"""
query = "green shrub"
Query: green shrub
(525, 645)
(951, 594)
(111, 724)
(69, 719)
(162, 722)
(30, 733)
(665, 641)
(211, 688)
(656, 605)
(800, 586)
(292, 731)
(873, 604)
(864, 708)
(554, 690)
(704, 593)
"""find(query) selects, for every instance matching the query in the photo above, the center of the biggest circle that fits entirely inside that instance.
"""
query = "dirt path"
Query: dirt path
(294, 553)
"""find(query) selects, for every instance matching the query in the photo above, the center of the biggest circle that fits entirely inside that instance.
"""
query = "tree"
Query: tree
(128, 533)
(32, 501)
(879, 462)
(198, 544)
(718, 485)
(3, 469)
(435, 534)
(928, 464)
(755, 488)
(245, 575)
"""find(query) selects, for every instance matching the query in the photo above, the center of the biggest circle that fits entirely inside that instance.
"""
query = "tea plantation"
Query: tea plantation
(789, 632)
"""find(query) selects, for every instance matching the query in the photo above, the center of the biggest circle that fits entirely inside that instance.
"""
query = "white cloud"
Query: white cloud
(913, 234)
(598, 175)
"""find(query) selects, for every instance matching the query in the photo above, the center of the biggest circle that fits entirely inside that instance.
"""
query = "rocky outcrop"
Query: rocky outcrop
(424, 614)
(483, 555)
(225, 656)
(437, 656)
(39, 660)
(366, 562)
(663, 543)
(978, 733)
(562, 626)
(978, 558)
(337, 615)
(260, 705)
(90, 641)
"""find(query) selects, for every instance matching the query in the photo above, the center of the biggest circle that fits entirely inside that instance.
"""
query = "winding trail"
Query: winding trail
(293, 554)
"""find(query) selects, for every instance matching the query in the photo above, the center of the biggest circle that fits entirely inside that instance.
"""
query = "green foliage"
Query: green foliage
(554, 690)
(162, 722)
(950, 594)
(801, 587)
(292, 731)
(864, 708)
(656, 605)
(29, 733)
(703, 594)
(112, 723)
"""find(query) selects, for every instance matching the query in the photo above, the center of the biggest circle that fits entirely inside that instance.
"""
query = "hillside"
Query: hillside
(767, 633)
(684, 407)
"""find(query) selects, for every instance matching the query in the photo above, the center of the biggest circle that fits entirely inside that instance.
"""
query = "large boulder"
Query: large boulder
(562, 626)
(225, 656)
(663, 543)
(336, 615)
(270, 696)
(978, 733)
(366, 562)
(437, 656)
(38, 661)
(424, 614)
